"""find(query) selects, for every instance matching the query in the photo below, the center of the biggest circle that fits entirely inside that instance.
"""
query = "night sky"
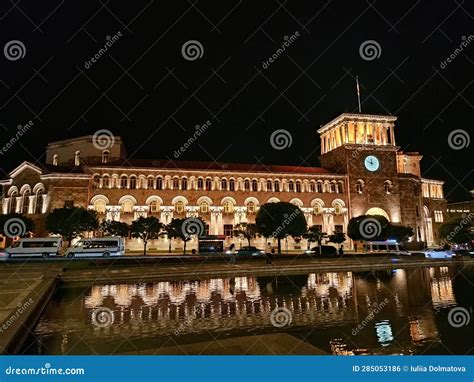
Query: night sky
(143, 88)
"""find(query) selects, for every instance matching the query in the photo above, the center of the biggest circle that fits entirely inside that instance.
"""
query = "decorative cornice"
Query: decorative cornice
(349, 117)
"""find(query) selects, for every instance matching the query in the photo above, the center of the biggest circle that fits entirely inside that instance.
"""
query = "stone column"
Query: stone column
(5, 203)
(31, 204)
(392, 136)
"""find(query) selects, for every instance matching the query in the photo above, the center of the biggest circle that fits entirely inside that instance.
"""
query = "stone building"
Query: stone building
(363, 172)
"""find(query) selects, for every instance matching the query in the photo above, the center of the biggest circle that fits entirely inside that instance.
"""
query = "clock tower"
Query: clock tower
(362, 147)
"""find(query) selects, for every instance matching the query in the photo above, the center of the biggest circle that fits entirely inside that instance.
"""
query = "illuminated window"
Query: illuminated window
(39, 202)
(13, 201)
(133, 182)
(127, 206)
(317, 208)
(154, 207)
(251, 208)
(77, 158)
(26, 201)
(55, 159)
(100, 206)
(204, 207)
(200, 184)
(387, 186)
(123, 181)
(96, 181)
(228, 207)
(338, 209)
(105, 156)
(179, 207)
(208, 184)
(438, 215)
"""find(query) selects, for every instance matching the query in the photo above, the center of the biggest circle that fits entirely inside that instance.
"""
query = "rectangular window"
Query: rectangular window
(438, 216)
(338, 228)
(228, 230)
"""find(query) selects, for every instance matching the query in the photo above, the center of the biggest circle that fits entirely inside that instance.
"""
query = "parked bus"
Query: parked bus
(38, 246)
(387, 246)
(103, 247)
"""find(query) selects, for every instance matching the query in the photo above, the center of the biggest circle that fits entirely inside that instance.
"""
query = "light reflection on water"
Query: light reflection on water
(402, 311)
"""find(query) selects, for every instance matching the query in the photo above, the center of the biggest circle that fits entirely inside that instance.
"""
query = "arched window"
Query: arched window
(175, 183)
(338, 208)
(96, 181)
(77, 158)
(298, 186)
(13, 201)
(26, 202)
(184, 184)
(127, 206)
(333, 187)
(208, 184)
(341, 187)
(251, 208)
(291, 186)
(359, 186)
(150, 183)
(100, 206)
(105, 156)
(55, 159)
(254, 185)
(200, 184)
(228, 207)
(105, 181)
(247, 185)
(179, 207)
(39, 202)
(387, 186)
(159, 183)
(317, 208)
(269, 185)
(231, 185)
(154, 207)
(312, 187)
(223, 184)
(123, 181)
(319, 187)
(204, 207)
(276, 186)
(133, 182)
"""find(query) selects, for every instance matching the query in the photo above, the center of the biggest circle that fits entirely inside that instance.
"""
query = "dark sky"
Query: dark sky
(144, 90)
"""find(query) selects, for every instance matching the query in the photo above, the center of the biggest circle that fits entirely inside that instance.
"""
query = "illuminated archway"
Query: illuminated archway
(377, 211)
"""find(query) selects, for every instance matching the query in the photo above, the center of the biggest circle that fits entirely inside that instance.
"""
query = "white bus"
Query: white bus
(38, 246)
(387, 246)
(103, 247)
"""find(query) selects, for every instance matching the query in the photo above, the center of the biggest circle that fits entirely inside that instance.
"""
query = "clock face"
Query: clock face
(371, 163)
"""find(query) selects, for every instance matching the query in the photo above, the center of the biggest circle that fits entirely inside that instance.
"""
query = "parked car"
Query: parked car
(250, 251)
(4, 254)
(325, 250)
(38, 246)
(102, 247)
(439, 253)
(386, 246)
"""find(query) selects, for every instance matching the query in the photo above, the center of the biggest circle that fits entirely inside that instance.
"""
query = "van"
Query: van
(103, 247)
(38, 246)
(387, 246)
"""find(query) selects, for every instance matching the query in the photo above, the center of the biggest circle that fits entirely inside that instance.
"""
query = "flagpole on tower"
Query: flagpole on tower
(358, 92)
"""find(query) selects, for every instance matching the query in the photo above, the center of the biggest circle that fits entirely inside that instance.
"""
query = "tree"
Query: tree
(246, 231)
(15, 225)
(456, 231)
(146, 228)
(314, 235)
(184, 229)
(337, 238)
(368, 227)
(280, 220)
(114, 228)
(71, 222)
(399, 233)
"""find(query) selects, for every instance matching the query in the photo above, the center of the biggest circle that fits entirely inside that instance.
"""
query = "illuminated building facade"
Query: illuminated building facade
(363, 172)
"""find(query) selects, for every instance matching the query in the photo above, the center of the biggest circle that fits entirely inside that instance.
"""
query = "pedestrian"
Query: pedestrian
(232, 254)
(268, 253)
(341, 251)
